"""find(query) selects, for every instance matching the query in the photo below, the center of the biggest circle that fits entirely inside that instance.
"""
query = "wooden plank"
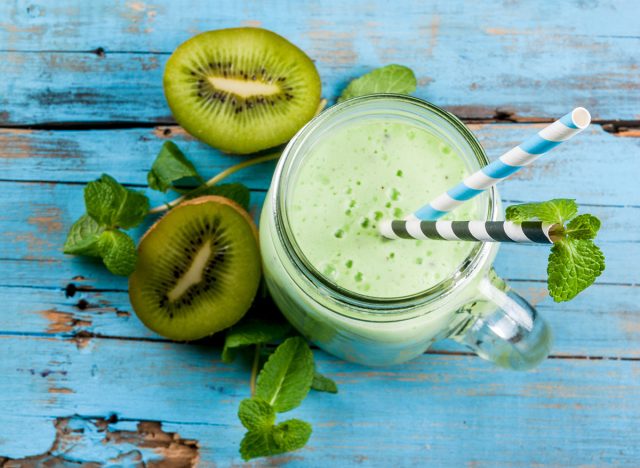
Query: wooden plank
(37, 217)
(550, 416)
(126, 154)
(600, 322)
(524, 61)
(574, 169)
(70, 313)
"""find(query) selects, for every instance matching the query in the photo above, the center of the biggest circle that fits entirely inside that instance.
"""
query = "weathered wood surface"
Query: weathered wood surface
(434, 411)
(527, 60)
(84, 381)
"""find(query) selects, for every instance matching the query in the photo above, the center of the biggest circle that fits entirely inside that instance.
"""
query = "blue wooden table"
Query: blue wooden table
(82, 381)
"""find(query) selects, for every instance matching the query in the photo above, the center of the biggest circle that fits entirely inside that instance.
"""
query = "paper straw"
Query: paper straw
(512, 161)
(528, 232)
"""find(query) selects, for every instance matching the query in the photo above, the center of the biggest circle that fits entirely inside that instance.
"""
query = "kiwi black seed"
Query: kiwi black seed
(198, 269)
(241, 90)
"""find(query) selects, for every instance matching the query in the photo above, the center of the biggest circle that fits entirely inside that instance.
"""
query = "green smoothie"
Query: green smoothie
(368, 299)
(369, 170)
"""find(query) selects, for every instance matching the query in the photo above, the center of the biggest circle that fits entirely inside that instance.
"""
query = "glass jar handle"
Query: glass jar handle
(513, 335)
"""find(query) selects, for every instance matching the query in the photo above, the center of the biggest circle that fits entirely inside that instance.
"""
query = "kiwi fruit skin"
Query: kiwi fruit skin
(218, 304)
(241, 90)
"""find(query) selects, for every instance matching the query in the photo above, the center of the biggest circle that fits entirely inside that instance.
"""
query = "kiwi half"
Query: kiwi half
(241, 90)
(198, 269)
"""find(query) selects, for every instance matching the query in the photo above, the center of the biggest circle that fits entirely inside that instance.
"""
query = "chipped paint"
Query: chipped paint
(14, 143)
(501, 31)
(60, 390)
(251, 23)
(63, 322)
(173, 131)
(148, 63)
(137, 6)
(140, 17)
(331, 46)
(148, 445)
(628, 132)
(432, 33)
(47, 219)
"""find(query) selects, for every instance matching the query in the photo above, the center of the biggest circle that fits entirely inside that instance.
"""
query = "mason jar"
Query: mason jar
(472, 305)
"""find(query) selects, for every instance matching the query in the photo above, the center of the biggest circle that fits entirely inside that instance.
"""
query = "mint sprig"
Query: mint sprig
(110, 206)
(235, 191)
(388, 79)
(113, 205)
(118, 252)
(283, 383)
(83, 237)
(252, 331)
(575, 260)
(171, 167)
(322, 383)
(558, 210)
(269, 440)
(286, 378)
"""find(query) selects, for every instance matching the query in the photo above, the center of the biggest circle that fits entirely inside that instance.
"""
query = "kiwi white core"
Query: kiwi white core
(193, 275)
(243, 88)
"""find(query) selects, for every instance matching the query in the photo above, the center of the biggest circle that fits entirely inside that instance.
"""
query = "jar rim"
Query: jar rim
(371, 307)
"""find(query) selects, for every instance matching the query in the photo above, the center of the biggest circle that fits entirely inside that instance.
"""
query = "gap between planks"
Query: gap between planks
(82, 337)
(626, 128)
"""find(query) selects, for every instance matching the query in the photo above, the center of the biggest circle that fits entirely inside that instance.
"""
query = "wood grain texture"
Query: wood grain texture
(36, 217)
(413, 414)
(602, 322)
(572, 170)
(525, 60)
(83, 381)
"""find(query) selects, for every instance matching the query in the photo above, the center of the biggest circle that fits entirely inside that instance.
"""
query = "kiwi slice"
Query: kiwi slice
(198, 269)
(241, 90)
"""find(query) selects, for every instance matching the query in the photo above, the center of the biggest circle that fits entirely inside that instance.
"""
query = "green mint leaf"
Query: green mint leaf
(574, 264)
(170, 166)
(585, 226)
(113, 205)
(252, 332)
(256, 414)
(235, 191)
(389, 79)
(118, 252)
(258, 443)
(558, 210)
(83, 237)
(292, 434)
(287, 436)
(286, 377)
(321, 383)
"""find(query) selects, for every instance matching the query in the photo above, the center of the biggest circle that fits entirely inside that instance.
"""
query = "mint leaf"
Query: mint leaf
(575, 261)
(585, 226)
(558, 210)
(170, 166)
(252, 332)
(113, 205)
(118, 252)
(321, 383)
(292, 434)
(235, 191)
(83, 237)
(286, 377)
(285, 437)
(256, 414)
(574, 264)
(389, 79)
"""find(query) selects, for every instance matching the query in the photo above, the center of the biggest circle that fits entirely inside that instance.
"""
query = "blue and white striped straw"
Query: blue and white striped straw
(512, 161)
